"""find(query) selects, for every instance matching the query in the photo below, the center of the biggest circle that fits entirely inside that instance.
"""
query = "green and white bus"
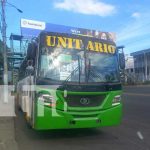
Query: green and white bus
(70, 81)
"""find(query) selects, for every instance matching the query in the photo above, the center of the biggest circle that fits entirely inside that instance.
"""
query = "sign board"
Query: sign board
(59, 41)
(32, 28)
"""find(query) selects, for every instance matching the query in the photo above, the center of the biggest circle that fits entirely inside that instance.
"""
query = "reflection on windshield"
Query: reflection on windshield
(73, 65)
(102, 68)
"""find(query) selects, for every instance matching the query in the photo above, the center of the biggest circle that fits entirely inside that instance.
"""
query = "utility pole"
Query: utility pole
(4, 26)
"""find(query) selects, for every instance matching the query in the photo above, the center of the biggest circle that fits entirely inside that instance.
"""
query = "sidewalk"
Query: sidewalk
(7, 134)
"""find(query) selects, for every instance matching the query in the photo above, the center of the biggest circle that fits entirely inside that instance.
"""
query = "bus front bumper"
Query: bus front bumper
(52, 119)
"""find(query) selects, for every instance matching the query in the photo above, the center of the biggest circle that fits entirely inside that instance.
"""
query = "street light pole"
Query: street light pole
(4, 26)
(19, 10)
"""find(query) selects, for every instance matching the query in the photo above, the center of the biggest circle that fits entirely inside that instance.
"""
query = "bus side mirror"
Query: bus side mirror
(121, 61)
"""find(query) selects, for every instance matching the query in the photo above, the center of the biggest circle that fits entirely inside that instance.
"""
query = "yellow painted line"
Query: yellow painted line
(137, 94)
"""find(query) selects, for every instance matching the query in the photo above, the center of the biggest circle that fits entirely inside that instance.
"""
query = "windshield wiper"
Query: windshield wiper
(110, 77)
(78, 68)
(92, 73)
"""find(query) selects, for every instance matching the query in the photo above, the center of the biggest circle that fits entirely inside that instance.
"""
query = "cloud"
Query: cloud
(135, 34)
(88, 7)
(135, 28)
(136, 15)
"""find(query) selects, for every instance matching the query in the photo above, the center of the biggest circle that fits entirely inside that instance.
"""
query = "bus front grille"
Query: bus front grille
(84, 100)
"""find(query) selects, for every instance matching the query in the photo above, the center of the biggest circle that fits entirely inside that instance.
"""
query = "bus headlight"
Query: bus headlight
(116, 100)
(47, 100)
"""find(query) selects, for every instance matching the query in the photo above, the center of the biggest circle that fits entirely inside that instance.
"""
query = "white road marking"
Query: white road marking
(140, 135)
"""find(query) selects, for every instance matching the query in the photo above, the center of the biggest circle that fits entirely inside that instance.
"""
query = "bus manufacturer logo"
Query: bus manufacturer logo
(85, 101)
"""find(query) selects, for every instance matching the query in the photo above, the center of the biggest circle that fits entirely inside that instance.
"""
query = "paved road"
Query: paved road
(7, 135)
(132, 134)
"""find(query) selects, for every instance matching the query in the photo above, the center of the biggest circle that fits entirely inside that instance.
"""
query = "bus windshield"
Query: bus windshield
(60, 64)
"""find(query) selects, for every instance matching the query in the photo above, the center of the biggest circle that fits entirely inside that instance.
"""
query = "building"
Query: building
(129, 69)
(129, 65)
(142, 65)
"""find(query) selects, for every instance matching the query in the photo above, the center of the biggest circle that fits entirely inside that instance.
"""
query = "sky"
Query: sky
(129, 19)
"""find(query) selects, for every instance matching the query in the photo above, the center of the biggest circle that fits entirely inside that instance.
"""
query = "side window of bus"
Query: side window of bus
(29, 62)
(31, 53)
(22, 70)
(29, 68)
